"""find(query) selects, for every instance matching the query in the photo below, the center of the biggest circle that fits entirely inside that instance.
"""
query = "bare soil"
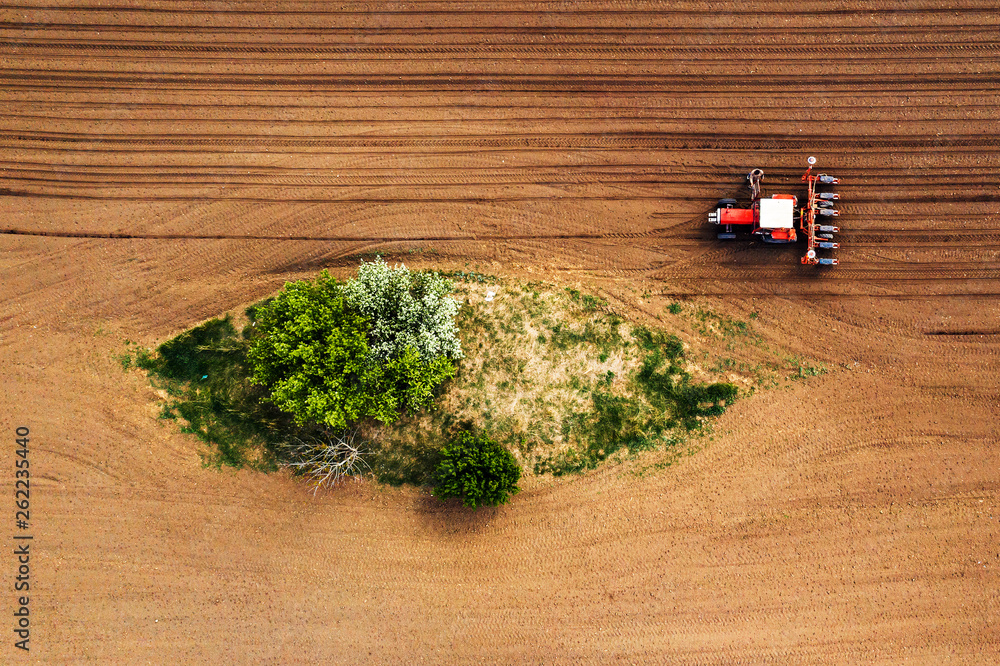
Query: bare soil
(161, 163)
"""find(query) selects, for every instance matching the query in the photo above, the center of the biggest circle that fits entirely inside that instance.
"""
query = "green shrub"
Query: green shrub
(478, 470)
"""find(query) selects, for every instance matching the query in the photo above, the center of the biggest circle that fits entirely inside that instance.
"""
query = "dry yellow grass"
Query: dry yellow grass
(536, 356)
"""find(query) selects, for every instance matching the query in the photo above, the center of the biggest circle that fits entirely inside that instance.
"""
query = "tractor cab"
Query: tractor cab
(774, 220)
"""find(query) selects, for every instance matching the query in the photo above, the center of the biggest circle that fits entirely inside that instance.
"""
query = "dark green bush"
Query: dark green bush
(477, 470)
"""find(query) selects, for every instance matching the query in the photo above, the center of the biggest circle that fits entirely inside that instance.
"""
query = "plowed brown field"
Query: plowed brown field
(162, 162)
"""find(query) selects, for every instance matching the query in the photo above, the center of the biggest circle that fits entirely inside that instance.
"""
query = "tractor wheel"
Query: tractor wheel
(727, 203)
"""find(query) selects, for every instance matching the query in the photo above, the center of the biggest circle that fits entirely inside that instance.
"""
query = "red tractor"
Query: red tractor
(778, 219)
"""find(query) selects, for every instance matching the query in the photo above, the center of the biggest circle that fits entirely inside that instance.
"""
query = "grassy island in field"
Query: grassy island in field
(378, 374)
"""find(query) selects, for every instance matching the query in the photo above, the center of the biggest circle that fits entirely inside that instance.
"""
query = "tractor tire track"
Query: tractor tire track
(561, 51)
(486, 82)
(543, 141)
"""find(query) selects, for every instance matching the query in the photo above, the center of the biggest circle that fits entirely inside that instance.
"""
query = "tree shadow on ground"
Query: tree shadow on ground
(444, 517)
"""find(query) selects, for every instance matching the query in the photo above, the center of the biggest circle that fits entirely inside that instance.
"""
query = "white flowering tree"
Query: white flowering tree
(405, 309)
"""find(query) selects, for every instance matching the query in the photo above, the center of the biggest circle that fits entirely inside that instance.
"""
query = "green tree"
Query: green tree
(478, 470)
(311, 350)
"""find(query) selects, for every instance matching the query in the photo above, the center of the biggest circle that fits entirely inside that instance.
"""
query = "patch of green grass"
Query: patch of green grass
(406, 462)
(803, 368)
(206, 376)
(713, 323)
(660, 403)
(659, 342)
(125, 360)
(724, 364)
(671, 391)
(603, 335)
(588, 302)
(470, 276)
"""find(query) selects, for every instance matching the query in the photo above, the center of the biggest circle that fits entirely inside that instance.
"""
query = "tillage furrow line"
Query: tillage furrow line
(458, 81)
(383, 11)
(597, 140)
(291, 237)
(515, 31)
(686, 175)
(547, 51)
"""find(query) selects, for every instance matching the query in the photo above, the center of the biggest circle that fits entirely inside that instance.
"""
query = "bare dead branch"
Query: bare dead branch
(326, 458)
